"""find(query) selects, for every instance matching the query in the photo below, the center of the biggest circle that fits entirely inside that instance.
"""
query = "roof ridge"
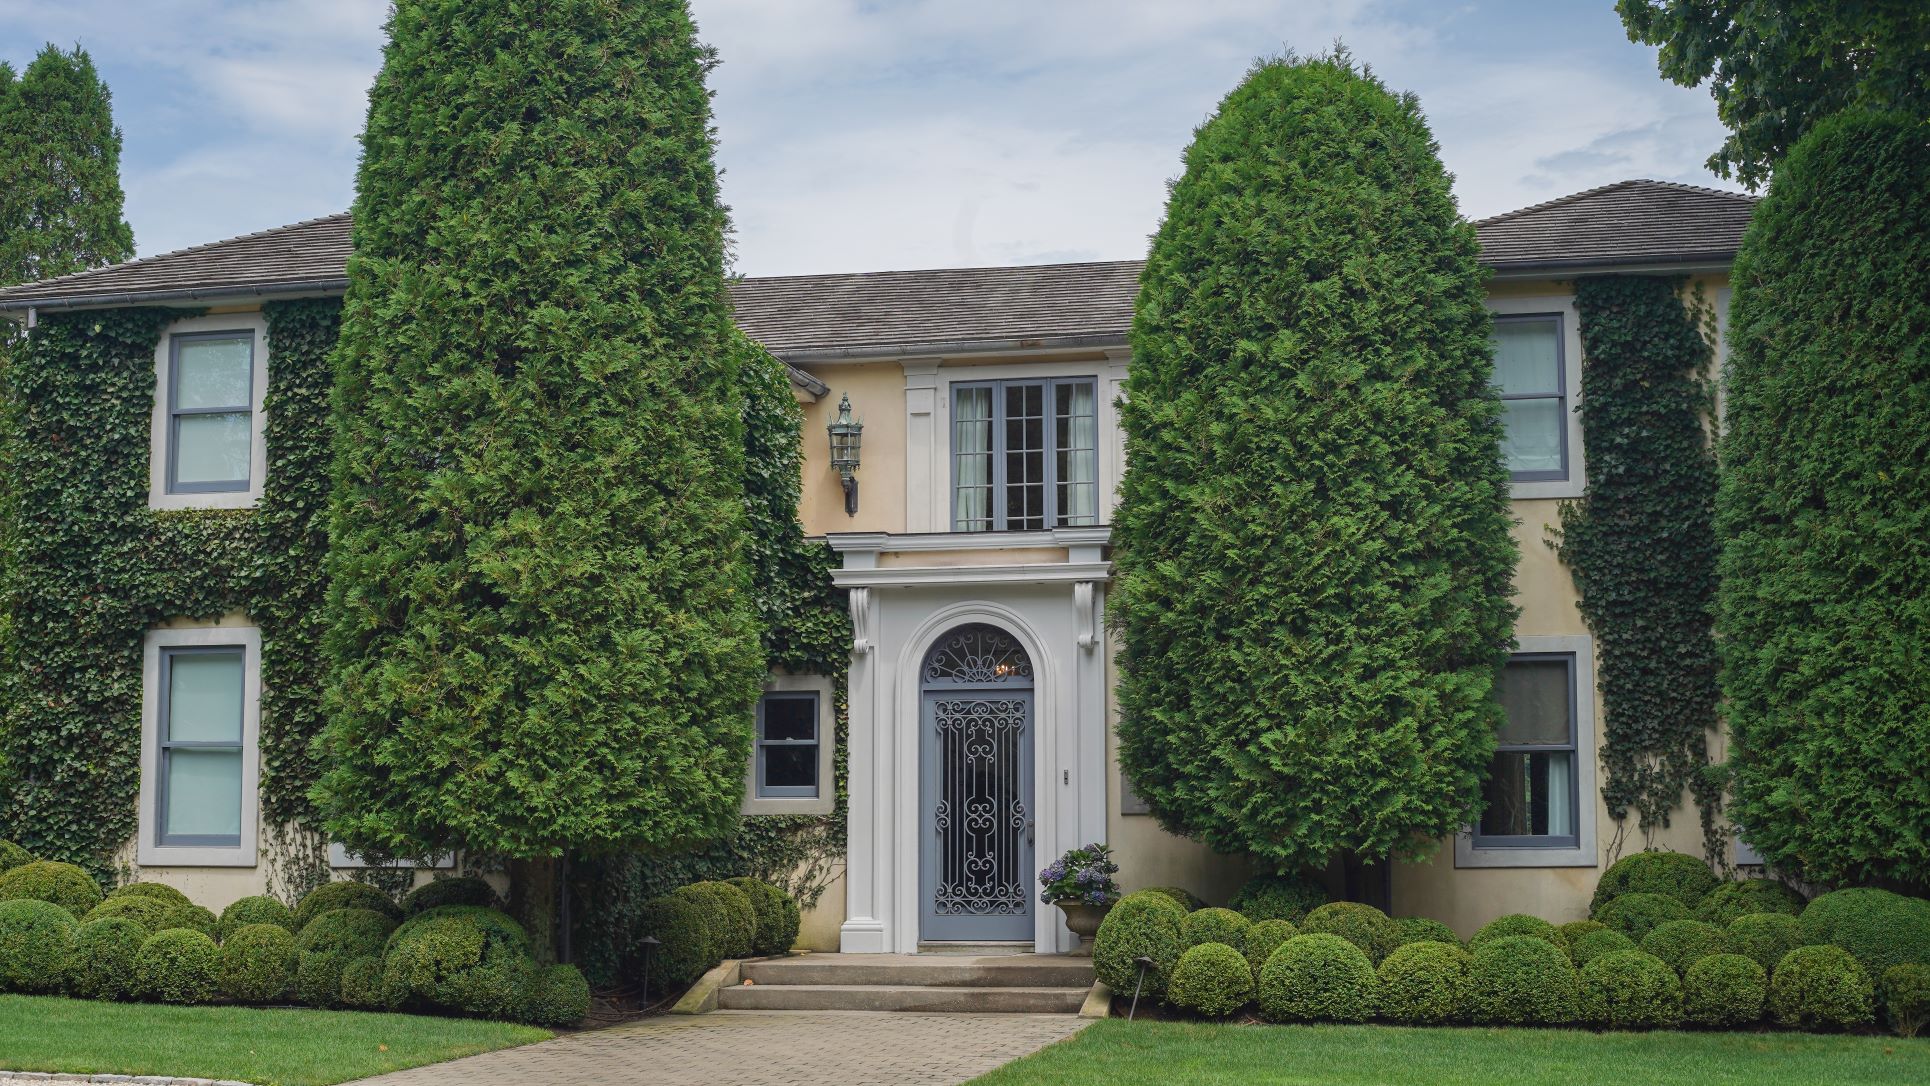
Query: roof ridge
(939, 271)
(85, 272)
(1612, 186)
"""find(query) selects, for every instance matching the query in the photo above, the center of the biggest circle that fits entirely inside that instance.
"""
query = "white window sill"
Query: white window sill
(195, 856)
(1545, 488)
(1468, 855)
(787, 805)
(339, 856)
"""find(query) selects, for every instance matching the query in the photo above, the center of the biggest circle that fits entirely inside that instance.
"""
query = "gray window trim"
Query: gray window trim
(1560, 395)
(1049, 401)
(166, 745)
(767, 791)
(1573, 747)
(176, 411)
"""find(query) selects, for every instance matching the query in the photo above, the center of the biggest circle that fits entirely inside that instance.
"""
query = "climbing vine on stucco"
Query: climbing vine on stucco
(1641, 544)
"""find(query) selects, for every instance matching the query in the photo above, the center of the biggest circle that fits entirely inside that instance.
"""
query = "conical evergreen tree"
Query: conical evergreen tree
(60, 171)
(542, 638)
(1313, 543)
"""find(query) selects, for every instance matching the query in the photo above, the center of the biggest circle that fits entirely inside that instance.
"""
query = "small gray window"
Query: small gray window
(1529, 371)
(210, 401)
(787, 745)
(1025, 455)
(1530, 795)
(201, 710)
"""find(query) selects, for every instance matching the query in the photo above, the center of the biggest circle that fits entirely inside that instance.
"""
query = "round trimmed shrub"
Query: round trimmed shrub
(1733, 899)
(1635, 915)
(1362, 925)
(331, 896)
(460, 958)
(1520, 980)
(1425, 983)
(331, 941)
(454, 890)
(12, 856)
(1262, 939)
(681, 926)
(1879, 929)
(735, 920)
(558, 996)
(1821, 988)
(1222, 926)
(145, 911)
(258, 963)
(1184, 898)
(1765, 937)
(1419, 929)
(1575, 929)
(178, 965)
(778, 917)
(189, 916)
(100, 964)
(153, 891)
(362, 985)
(1141, 925)
(1673, 874)
(1630, 989)
(1906, 997)
(36, 938)
(1211, 979)
(1724, 991)
(1319, 977)
(1278, 897)
(49, 880)
(1597, 943)
(1682, 943)
(1533, 927)
(255, 910)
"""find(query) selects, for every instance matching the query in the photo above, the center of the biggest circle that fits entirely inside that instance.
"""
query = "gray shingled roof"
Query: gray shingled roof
(801, 316)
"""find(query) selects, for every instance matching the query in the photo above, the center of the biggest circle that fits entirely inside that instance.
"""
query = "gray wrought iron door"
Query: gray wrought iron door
(976, 869)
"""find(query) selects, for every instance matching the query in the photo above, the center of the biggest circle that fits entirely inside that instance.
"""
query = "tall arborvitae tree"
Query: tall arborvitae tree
(1823, 510)
(1313, 545)
(60, 171)
(542, 638)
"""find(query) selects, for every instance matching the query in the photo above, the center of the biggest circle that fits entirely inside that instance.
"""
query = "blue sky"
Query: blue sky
(862, 136)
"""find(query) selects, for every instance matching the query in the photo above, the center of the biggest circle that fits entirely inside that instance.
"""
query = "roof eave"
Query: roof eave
(117, 299)
(1692, 263)
(949, 348)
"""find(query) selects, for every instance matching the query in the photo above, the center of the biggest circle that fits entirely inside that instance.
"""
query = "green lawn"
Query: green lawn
(1119, 1053)
(273, 1047)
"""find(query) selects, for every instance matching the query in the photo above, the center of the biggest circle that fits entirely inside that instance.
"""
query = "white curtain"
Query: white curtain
(972, 459)
(1079, 471)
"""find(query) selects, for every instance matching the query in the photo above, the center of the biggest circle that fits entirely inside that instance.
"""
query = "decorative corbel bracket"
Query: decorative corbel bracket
(860, 621)
(1087, 614)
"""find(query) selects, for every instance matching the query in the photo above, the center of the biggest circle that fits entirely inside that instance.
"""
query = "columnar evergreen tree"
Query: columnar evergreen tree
(1823, 509)
(542, 636)
(1313, 545)
(60, 171)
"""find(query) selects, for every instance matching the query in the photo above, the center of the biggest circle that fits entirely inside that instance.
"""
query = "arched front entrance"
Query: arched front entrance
(975, 788)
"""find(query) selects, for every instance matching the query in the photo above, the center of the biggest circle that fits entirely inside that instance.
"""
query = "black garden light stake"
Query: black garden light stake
(1143, 964)
(650, 944)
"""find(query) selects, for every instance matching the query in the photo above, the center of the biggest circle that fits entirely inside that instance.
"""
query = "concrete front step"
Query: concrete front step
(924, 970)
(883, 997)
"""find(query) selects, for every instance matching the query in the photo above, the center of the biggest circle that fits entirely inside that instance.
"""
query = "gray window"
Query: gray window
(787, 745)
(1025, 455)
(1530, 796)
(201, 745)
(210, 400)
(1528, 369)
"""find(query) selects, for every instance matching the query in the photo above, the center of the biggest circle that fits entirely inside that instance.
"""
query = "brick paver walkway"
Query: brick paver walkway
(763, 1048)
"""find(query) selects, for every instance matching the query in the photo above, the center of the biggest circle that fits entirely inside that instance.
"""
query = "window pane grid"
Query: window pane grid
(1531, 378)
(1530, 794)
(210, 411)
(1025, 455)
(787, 746)
(200, 778)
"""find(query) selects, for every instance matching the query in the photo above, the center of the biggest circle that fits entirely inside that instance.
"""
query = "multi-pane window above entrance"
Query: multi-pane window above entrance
(1531, 795)
(1025, 454)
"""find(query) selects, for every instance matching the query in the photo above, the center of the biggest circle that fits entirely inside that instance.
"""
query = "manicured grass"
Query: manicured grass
(273, 1047)
(1119, 1053)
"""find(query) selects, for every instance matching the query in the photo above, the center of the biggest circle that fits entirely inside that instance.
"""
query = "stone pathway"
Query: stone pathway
(763, 1048)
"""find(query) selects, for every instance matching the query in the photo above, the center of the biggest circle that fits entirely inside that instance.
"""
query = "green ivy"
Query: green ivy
(86, 568)
(1641, 544)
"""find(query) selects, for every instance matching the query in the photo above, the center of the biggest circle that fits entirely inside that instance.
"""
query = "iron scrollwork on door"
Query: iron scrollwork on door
(978, 654)
(980, 814)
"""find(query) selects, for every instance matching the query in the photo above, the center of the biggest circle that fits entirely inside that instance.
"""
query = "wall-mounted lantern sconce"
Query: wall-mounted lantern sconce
(846, 436)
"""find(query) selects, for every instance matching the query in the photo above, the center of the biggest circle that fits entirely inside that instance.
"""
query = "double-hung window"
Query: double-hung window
(1528, 368)
(1531, 796)
(1025, 454)
(199, 763)
(210, 411)
(787, 746)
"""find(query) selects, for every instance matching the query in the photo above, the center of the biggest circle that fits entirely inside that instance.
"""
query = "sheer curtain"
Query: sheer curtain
(972, 460)
(1078, 454)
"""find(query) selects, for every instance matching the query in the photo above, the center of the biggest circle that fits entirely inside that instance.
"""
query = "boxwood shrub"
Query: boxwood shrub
(777, 913)
(460, 958)
(1278, 897)
(100, 964)
(36, 938)
(330, 941)
(1682, 943)
(1519, 924)
(12, 856)
(1906, 997)
(1519, 980)
(1635, 915)
(192, 917)
(1425, 983)
(1879, 928)
(1184, 898)
(255, 910)
(1765, 937)
(362, 985)
(1630, 989)
(258, 963)
(1733, 899)
(330, 896)
(681, 926)
(1222, 926)
(1211, 979)
(453, 890)
(1724, 991)
(1419, 929)
(558, 996)
(1575, 929)
(48, 880)
(1821, 988)
(1362, 925)
(1674, 874)
(154, 891)
(145, 911)
(1319, 977)
(1262, 939)
(178, 965)
(733, 923)
(1142, 925)
(1597, 943)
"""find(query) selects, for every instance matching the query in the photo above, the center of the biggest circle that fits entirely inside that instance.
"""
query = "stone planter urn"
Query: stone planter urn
(1084, 920)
